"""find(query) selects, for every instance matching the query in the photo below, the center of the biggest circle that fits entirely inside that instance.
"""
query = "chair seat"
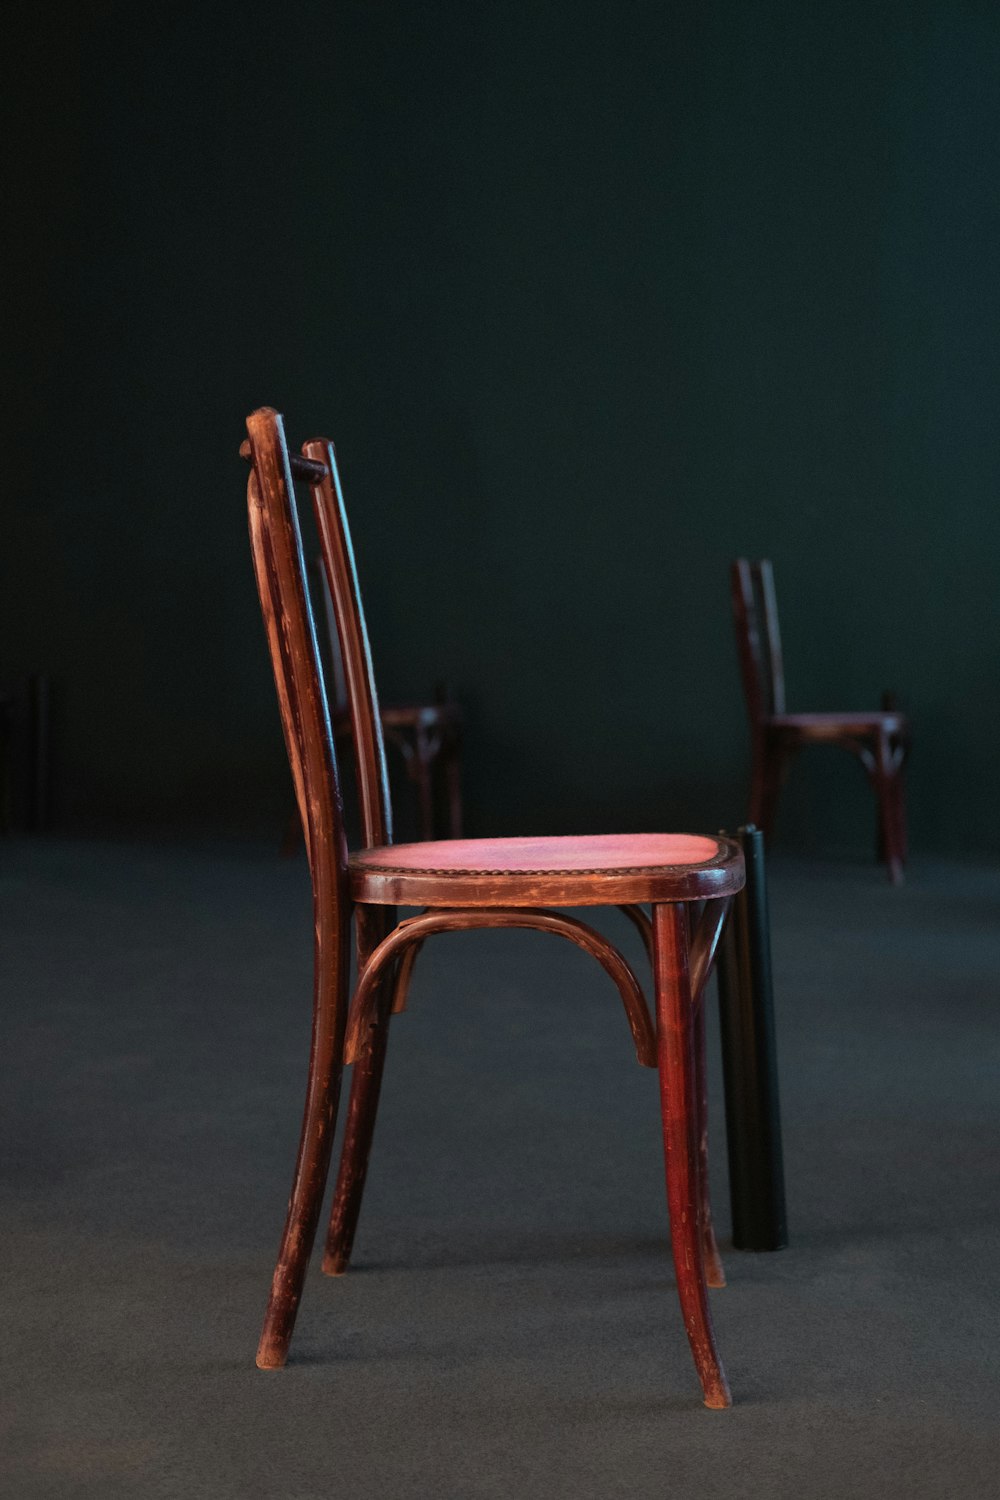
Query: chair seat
(596, 870)
(832, 726)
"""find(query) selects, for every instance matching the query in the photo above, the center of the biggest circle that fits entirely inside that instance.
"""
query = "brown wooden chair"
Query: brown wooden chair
(428, 736)
(509, 882)
(879, 740)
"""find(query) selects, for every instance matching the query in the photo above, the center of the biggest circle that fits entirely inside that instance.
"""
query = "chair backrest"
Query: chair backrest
(336, 682)
(758, 637)
(282, 578)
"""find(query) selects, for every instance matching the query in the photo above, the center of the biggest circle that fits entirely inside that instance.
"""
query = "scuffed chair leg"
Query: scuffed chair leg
(679, 1107)
(315, 1144)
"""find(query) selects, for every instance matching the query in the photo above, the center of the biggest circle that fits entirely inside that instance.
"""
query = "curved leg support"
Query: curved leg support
(362, 1016)
(641, 922)
(679, 1106)
(404, 974)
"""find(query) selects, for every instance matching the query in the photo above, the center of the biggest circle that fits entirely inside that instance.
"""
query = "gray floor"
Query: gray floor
(511, 1328)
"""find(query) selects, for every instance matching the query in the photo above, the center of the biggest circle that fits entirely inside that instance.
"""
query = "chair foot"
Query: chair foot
(272, 1353)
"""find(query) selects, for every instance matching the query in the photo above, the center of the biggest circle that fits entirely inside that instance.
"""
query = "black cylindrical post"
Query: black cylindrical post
(749, 1061)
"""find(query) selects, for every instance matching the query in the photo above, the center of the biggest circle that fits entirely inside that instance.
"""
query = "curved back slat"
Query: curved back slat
(267, 590)
(775, 661)
(355, 652)
(281, 579)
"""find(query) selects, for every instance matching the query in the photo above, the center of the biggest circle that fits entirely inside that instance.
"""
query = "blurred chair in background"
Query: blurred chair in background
(880, 740)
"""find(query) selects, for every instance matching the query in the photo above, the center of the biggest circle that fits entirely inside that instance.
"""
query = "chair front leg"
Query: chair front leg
(675, 1023)
(373, 924)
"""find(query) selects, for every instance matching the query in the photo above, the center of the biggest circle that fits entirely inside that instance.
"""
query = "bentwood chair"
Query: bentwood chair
(880, 741)
(510, 882)
(428, 736)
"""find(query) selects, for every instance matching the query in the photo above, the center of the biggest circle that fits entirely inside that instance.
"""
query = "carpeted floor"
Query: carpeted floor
(510, 1328)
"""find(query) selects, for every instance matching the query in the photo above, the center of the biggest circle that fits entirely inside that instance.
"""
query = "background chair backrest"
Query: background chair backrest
(758, 637)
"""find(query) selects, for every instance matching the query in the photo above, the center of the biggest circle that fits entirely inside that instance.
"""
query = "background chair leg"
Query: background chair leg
(749, 1061)
(423, 775)
(362, 1109)
(899, 809)
(453, 782)
(886, 776)
(315, 1144)
(679, 1108)
(770, 767)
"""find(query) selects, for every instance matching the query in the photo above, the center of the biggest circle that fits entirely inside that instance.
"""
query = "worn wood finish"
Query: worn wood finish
(675, 1014)
(277, 552)
(502, 883)
(879, 740)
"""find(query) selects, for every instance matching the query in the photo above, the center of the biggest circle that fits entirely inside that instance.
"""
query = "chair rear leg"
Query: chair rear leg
(362, 1109)
(887, 795)
(679, 1107)
(899, 809)
(714, 1272)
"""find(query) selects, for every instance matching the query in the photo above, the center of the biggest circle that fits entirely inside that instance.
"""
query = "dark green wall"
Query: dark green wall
(591, 298)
